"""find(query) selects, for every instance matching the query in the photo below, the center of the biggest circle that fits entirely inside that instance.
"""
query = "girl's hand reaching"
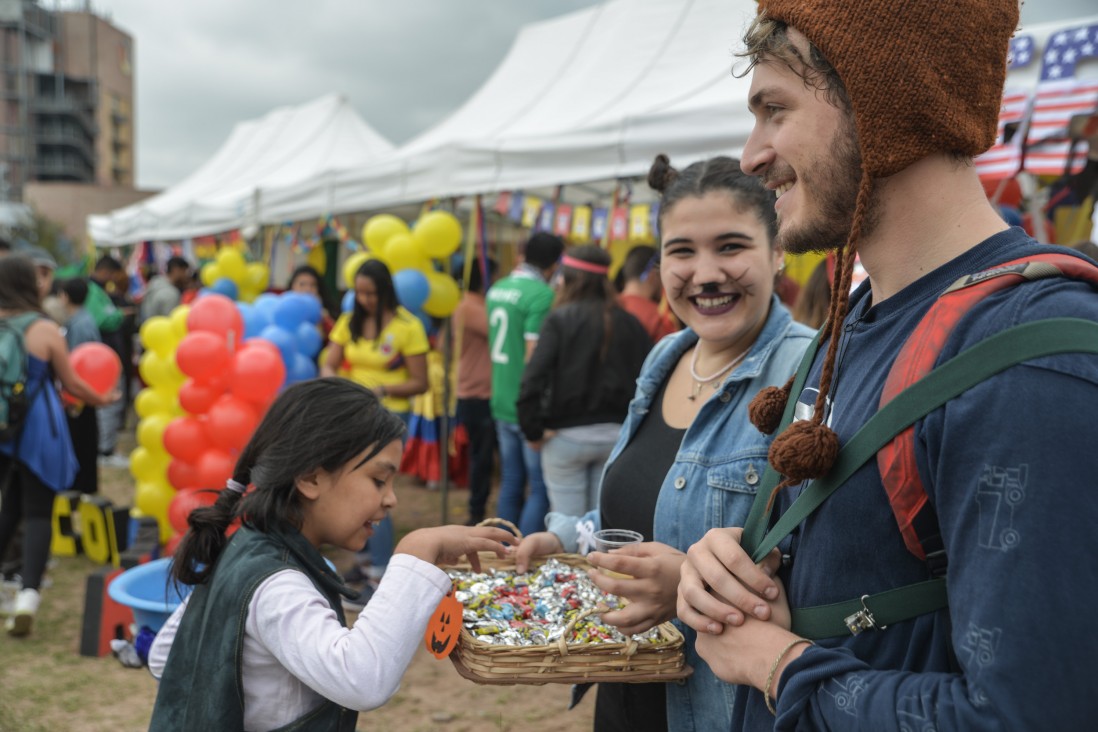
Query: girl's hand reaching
(443, 545)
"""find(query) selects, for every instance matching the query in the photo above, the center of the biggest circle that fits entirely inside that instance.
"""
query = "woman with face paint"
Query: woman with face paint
(688, 459)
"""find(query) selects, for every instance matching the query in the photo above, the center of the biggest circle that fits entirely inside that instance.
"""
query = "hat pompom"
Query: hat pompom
(804, 451)
(765, 410)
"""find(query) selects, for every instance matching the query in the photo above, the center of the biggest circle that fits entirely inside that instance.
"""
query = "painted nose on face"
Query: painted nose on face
(708, 270)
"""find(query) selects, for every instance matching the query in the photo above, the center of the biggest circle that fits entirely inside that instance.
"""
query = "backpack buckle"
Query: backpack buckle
(862, 620)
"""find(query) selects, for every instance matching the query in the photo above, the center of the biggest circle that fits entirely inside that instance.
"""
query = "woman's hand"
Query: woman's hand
(720, 583)
(653, 577)
(536, 545)
(443, 545)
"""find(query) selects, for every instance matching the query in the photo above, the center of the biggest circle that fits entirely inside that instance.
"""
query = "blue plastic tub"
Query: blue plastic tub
(149, 592)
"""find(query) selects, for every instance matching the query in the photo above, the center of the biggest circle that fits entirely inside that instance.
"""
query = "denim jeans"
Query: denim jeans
(110, 420)
(476, 415)
(519, 464)
(573, 471)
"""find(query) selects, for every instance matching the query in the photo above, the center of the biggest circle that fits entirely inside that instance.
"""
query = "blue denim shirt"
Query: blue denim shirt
(711, 484)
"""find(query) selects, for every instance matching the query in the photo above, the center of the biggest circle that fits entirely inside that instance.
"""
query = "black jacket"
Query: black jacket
(568, 383)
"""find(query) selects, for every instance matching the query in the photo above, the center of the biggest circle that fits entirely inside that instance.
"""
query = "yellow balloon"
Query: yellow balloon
(317, 259)
(231, 264)
(145, 465)
(209, 274)
(402, 252)
(178, 317)
(151, 401)
(153, 499)
(158, 335)
(247, 295)
(150, 433)
(444, 295)
(377, 232)
(257, 277)
(438, 234)
(351, 266)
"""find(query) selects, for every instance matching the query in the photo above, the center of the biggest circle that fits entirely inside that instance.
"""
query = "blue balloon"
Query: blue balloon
(255, 320)
(348, 303)
(309, 340)
(412, 288)
(284, 340)
(226, 287)
(303, 368)
(266, 303)
(295, 308)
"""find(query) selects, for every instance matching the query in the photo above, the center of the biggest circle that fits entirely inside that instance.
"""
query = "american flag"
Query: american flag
(1005, 157)
(1059, 96)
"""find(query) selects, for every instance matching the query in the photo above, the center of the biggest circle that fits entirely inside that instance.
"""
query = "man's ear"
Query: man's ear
(309, 484)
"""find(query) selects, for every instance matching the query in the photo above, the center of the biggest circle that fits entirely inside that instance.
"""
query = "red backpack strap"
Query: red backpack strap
(896, 461)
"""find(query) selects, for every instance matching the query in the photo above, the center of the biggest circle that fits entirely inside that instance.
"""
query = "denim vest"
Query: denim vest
(202, 687)
(712, 482)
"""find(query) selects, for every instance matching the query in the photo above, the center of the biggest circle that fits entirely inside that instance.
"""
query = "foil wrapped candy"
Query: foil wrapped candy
(502, 607)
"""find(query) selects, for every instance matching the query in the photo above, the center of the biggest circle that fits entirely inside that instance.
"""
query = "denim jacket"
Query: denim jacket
(711, 484)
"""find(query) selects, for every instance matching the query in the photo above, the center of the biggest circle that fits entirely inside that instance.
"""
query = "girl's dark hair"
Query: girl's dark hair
(321, 288)
(387, 302)
(639, 264)
(588, 288)
(715, 174)
(814, 299)
(317, 424)
(19, 284)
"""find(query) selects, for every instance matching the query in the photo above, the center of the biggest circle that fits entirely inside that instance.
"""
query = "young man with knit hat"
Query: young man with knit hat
(867, 115)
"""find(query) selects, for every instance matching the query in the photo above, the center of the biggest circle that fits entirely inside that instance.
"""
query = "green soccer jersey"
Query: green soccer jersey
(516, 306)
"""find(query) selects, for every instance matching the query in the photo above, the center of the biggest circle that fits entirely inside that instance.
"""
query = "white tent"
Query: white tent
(590, 96)
(286, 148)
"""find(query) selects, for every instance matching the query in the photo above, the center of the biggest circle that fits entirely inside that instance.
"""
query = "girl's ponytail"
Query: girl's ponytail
(206, 536)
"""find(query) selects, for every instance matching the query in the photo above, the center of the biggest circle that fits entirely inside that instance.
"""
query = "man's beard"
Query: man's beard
(834, 182)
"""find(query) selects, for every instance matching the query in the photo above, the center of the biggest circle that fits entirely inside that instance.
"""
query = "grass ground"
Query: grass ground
(45, 685)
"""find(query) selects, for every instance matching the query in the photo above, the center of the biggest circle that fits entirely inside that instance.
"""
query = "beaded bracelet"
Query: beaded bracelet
(774, 670)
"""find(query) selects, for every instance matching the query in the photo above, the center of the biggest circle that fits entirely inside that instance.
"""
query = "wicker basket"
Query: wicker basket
(563, 662)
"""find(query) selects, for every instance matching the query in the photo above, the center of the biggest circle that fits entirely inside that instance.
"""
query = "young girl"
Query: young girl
(261, 643)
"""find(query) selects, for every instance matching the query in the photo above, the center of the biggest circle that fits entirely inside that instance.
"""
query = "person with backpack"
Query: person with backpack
(36, 454)
(918, 554)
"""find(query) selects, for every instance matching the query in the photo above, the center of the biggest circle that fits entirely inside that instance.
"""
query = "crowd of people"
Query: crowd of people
(870, 513)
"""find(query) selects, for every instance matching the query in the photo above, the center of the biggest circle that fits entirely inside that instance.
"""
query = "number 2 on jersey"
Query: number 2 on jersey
(498, 320)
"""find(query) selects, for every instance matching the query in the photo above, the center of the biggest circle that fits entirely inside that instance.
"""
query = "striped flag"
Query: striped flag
(1060, 95)
(1005, 157)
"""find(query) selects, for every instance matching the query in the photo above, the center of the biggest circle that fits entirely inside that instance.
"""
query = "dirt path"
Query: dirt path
(46, 685)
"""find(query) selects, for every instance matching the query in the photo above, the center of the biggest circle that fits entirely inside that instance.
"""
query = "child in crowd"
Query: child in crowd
(262, 641)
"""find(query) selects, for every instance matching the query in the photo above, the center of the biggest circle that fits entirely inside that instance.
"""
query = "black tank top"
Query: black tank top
(632, 485)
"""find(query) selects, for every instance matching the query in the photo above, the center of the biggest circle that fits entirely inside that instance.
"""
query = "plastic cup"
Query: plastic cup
(610, 539)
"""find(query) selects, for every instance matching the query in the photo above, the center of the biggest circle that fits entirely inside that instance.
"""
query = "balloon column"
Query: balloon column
(231, 275)
(208, 387)
(408, 253)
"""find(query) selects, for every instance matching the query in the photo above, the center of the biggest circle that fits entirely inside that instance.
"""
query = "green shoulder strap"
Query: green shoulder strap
(962, 372)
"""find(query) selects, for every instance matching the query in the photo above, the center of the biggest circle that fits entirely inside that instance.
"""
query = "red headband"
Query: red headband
(599, 269)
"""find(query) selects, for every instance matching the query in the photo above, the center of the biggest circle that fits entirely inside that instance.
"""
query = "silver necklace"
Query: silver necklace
(700, 381)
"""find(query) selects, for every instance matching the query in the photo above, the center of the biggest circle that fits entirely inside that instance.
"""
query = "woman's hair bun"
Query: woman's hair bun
(661, 174)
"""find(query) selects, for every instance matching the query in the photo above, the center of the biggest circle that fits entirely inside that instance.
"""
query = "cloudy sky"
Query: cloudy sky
(201, 66)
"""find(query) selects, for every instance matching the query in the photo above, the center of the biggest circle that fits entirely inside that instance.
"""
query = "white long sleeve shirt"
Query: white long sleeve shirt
(296, 653)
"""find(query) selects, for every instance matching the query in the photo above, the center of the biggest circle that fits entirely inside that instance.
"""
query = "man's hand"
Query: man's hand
(720, 584)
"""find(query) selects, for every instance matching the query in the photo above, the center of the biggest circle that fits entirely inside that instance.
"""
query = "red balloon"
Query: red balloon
(186, 501)
(96, 364)
(196, 397)
(182, 475)
(202, 354)
(185, 438)
(258, 373)
(213, 468)
(231, 422)
(216, 314)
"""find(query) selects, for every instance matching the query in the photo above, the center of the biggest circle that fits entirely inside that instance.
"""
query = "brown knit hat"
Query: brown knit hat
(922, 77)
